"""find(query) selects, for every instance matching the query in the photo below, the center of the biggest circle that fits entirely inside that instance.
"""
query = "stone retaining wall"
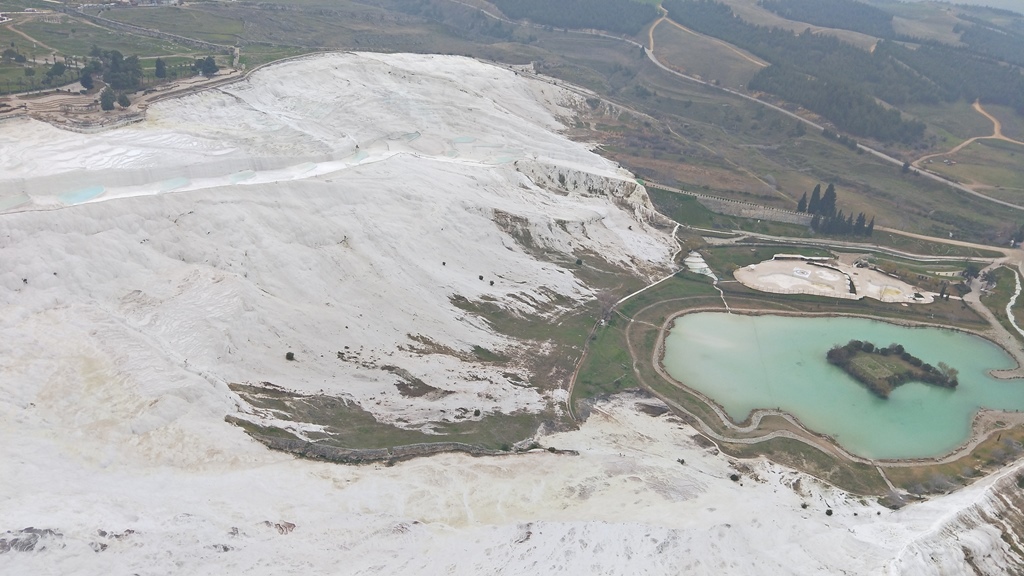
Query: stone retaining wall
(751, 210)
(92, 128)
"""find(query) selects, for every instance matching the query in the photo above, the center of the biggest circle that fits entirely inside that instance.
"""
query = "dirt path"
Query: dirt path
(997, 127)
(586, 344)
(665, 18)
(997, 134)
(29, 38)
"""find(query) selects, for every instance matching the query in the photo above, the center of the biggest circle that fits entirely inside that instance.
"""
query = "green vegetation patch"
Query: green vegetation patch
(341, 423)
(198, 24)
(698, 55)
(1003, 445)
(725, 260)
(998, 296)
(623, 16)
(74, 37)
(993, 163)
(855, 477)
(883, 369)
(687, 210)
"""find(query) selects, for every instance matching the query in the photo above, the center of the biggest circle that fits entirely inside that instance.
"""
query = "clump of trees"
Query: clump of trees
(120, 73)
(842, 139)
(819, 72)
(107, 99)
(914, 369)
(842, 82)
(12, 55)
(843, 14)
(828, 220)
(205, 66)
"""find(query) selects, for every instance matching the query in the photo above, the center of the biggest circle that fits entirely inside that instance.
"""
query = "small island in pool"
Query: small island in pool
(883, 369)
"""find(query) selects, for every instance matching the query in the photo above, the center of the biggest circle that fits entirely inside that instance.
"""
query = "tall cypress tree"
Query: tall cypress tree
(871, 227)
(801, 206)
(828, 201)
(858, 226)
(814, 206)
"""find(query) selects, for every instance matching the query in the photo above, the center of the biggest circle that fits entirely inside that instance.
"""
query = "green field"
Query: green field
(875, 367)
(701, 56)
(198, 24)
(76, 38)
(13, 79)
(993, 163)
(950, 124)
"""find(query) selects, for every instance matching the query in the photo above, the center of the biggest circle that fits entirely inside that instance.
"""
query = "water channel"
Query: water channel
(749, 362)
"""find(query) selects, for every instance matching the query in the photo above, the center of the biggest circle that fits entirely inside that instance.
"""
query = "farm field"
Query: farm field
(198, 24)
(993, 166)
(76, 38)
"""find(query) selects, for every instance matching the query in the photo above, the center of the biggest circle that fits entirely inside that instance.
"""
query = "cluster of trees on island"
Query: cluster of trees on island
(910, 368)
(828, 220)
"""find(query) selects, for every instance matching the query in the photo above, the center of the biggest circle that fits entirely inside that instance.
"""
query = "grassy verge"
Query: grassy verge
(851, 476)
(726, 259)
(997, 299)
(1001, 447)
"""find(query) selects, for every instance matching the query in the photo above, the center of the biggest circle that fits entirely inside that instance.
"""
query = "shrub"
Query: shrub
(734, 477)
(107, 99)
(289, 356)
(828, 512)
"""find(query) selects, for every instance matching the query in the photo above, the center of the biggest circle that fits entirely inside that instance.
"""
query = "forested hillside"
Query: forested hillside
(819, 72)
(959, 74)
(982, 37)
(841, 82)
(843, 14)
(622, 16)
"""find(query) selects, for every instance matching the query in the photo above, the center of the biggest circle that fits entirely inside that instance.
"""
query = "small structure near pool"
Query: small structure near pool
(818, 276)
